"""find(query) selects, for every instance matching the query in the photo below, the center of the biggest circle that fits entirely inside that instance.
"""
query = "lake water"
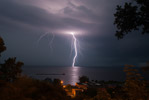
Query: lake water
(70, 75)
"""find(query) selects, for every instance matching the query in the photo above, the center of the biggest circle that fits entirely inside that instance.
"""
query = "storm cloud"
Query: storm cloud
(22, 22)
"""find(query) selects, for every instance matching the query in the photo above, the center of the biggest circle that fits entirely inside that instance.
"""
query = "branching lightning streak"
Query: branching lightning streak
(50, 40)
(42, 37)
(75, 47)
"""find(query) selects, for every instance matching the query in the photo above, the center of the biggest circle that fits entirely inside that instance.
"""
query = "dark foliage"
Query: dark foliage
(132, 16)
(83, 79)
(91, 92)
(26, 88)
(11, 69)
(2, 46)
(57, 82)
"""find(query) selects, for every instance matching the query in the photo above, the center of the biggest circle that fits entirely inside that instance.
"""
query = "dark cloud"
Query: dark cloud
(23, 22)
(39, 18)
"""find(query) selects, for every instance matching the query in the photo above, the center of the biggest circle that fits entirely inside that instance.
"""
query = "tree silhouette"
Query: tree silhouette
(103, 95)
(13, 86)
(134, 86)
(10, 70)
(57, 82)
(133, 16)
(26, 88)
(83, 79)
(2, 46)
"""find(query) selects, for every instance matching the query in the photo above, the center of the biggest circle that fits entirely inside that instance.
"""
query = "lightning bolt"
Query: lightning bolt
(42, 37)
(51, 39)
(75, 48)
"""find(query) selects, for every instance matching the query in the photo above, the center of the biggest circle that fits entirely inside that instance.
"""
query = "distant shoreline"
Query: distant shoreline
(50, 74)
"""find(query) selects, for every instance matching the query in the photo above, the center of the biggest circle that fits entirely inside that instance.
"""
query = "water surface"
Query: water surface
(70, 75)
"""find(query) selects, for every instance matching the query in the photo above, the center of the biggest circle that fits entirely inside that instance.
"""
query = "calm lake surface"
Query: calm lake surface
(70, 75)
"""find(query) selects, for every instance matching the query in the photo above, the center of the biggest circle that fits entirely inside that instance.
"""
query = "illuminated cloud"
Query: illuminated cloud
(59, 16)
(91, 21)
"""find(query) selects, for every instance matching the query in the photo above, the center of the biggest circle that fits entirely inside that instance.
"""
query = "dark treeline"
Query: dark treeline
(14, 86)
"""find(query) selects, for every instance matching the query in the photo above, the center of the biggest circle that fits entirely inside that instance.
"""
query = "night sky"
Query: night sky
(24, 22)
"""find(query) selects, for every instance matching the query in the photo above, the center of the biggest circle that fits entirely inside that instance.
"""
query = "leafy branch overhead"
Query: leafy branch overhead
(133, 16)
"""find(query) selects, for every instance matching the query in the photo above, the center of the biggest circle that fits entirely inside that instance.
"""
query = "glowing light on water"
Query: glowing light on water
(75, 73)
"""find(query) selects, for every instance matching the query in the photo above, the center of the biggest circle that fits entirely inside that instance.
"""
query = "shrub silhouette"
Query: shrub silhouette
(83, 79)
